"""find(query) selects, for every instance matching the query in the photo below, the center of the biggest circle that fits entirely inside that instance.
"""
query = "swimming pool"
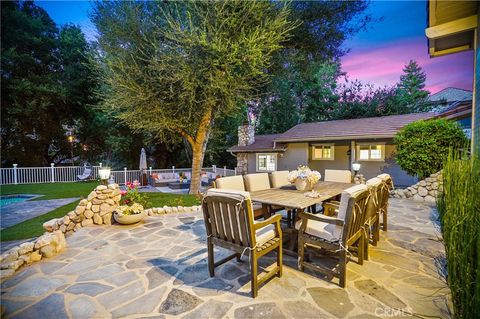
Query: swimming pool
(10, 199)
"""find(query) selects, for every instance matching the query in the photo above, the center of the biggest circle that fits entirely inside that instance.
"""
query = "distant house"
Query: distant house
(454, 104)
(328, 145)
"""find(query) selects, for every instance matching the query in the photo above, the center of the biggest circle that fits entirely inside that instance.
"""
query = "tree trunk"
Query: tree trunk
(199, 145)
(197, 162)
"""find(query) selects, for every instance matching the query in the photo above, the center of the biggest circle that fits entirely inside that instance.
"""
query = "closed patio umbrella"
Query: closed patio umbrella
(143, 167)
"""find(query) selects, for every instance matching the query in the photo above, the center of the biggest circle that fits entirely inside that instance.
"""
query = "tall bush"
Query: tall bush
(423, 146)
(459, 208)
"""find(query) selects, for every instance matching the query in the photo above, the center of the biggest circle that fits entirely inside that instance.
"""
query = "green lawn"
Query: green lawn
(33, 227)
(51, 190)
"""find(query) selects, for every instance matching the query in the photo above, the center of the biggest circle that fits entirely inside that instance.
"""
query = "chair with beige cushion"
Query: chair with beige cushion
(230, 224)
(335, 175)
(279, 178)
(237, 183)
(231, 182)
(335, 234)
(257, 182)
(388, 186)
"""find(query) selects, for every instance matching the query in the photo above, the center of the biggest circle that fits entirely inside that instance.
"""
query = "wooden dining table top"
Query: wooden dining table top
(290, 197)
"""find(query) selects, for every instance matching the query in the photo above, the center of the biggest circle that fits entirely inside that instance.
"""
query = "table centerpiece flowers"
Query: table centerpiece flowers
(304, 178)
(131, 206)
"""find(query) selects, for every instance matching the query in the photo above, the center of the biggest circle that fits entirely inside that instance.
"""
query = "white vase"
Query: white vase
(302, 184)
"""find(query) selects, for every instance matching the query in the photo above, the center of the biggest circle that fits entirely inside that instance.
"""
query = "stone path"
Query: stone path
(15, 213)
(158, 269)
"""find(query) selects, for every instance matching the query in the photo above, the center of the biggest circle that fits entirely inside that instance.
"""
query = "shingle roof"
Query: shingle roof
(451, 95)
(371, 127)
(262, 143)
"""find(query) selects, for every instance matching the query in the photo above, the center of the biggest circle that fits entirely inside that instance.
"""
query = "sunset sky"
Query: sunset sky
(376, 55)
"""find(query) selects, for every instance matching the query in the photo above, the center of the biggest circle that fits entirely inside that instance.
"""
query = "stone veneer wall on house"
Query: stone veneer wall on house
(246, 136)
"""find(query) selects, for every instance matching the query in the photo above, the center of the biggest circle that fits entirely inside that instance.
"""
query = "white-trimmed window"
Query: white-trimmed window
(266, 162)
(370, 152)
(323, 152)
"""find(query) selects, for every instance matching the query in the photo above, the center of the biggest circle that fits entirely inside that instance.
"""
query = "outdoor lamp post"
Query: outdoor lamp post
(71, 140)
(356, 167)
(104, 173)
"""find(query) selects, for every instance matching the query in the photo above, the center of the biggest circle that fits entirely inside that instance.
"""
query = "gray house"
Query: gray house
(328, 145)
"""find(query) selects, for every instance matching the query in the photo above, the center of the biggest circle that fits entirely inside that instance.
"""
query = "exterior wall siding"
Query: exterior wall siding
(300, 153)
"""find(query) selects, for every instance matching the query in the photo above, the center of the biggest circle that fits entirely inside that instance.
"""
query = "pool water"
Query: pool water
(10, 199)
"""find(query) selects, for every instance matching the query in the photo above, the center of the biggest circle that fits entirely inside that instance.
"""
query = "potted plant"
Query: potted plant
(131, 209)
(304, 178)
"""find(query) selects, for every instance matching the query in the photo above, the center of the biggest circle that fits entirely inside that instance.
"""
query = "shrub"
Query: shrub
(423, 146)
(459, 208)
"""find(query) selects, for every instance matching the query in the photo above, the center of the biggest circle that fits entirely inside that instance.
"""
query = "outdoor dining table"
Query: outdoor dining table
(293, 199)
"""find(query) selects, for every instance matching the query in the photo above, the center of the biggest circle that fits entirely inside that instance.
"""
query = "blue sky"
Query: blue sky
(376, 55)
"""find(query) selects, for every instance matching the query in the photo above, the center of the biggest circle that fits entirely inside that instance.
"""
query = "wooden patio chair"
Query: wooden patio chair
(230, 224)
(238, 183)
(335, 234)
(279, 179)
(388, 186)
(335, 175)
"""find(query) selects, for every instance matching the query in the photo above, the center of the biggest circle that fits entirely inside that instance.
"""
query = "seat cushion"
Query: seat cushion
(326, 231)
(265, 234)
(279, 178)
(231, 182)
(257, 182)
(335, 175)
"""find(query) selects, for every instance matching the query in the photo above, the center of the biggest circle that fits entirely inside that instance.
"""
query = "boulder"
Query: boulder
(35, 256)
(12, 264)
(435, 185)
(89, 205)
(161, 210)
(83, 202)
(422, 191)
(43, 240)
(105, 208)
(97, 219)
(26, 248)
(107, 219)
(97, 201)
(417, 197)
(26, 258)
(72, 214)
(88, 214)
(70, 226)
(87, 222)
(422, 183)
(47, 251)
(101, 188)
(10, 255)
(79, 210)
(92, 195)
(430, 199)
(50, 225)
(63, 228)
(113, 186)
(78, 226)
(102, 197)
(95, 208)
(414, 191)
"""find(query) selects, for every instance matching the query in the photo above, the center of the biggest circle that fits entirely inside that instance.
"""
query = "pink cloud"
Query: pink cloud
(383, 65)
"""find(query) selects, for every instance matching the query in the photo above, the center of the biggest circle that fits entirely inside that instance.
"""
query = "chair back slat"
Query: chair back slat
(228, 219)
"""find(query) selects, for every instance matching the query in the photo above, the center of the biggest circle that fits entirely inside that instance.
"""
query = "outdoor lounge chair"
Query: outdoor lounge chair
(335, 175)
(230, 224)
(385, 195)
(237, 183)
(87, 174)
(336, 234)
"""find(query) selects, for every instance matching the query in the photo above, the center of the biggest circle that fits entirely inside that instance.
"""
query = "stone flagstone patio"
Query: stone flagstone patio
(158, 269)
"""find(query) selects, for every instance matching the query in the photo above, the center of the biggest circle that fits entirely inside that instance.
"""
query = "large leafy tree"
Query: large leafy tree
(173, 68)
(45, 85)
(306, 69)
